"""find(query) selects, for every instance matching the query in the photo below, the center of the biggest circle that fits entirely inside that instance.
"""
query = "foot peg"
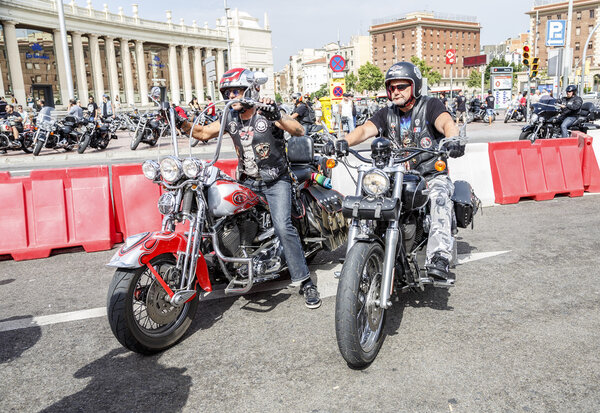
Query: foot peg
(238, 287)
(438, 283)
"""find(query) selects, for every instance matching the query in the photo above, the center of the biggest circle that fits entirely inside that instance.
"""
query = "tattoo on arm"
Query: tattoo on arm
(299, 131)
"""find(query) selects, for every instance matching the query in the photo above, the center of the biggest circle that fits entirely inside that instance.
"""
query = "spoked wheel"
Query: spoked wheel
(103, 142)
(359, 321)
(139, 314)
(84, 142)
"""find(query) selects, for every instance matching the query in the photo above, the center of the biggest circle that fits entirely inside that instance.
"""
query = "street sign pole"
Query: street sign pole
(451, 81)
(568, 61)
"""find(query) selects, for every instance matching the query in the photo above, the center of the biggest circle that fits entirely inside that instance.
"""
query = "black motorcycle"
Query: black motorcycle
(24, 141)
(546, 120)
(390, 222)
(97, 134)
(149, 129)
(477, 110)
(514, 112)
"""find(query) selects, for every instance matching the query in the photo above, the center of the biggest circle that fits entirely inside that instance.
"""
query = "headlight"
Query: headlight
(166, 203)
(191, 167)
(151, 169)
(170, 169)
(534, 118)
(375, 182)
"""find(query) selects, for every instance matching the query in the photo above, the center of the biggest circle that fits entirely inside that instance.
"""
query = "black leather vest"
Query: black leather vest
(267, 147)
(420, 135)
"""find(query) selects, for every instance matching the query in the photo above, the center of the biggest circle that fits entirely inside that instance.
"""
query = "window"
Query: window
(384, 37)
(577, 31)
(578, 15)
(558, 17)
(431, 45)
(590, 45)
(402, 47)
(413, 46)
(394, 49)
(412, 33)
(374, 39)
(384, 49)
(590, 28)
(431, 32)
(451, 35)
(463, 35)
(384, 62)
(592, 13)
(577, 47)
(403, 35)
(375, 51)
(438, 32)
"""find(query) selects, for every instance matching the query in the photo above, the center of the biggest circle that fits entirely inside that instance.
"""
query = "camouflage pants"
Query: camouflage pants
(440, 239)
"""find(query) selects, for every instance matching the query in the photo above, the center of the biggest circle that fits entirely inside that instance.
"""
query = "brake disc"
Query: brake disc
(159, 309)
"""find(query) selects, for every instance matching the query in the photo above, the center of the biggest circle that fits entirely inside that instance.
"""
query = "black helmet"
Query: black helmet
(381, 150)
(405, 71)
(297, 97)
(571, 88)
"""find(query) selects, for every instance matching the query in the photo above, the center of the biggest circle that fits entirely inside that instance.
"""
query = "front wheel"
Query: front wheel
(39, 144)
(137, 138)
(507, 117)
(138, 313)
(527, 136)
(84, 142)
(359, 321)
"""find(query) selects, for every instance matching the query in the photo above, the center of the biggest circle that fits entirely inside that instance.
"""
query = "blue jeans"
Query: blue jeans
(279, 197)
(349, 122)
(566, 124)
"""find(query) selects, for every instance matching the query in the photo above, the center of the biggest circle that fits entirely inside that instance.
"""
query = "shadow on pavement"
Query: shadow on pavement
(122, 381)
(16, 342)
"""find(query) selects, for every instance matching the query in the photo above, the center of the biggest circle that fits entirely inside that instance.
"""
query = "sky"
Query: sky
(312, 24)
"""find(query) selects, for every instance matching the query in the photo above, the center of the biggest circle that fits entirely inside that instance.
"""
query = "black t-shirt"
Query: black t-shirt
(91, 107)
(302, 111)
(490, 100)
(3, 109)
(435, 108)
(461, 103)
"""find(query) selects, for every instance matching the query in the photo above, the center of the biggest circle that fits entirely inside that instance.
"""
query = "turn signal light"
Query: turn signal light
(331, 163)
(440, 165)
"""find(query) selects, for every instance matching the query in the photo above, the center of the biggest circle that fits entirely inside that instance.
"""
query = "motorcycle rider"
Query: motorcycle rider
(15, 116)
(75, 110)
(263, 167)
(300, 112)
(570, 106)
(414, 120)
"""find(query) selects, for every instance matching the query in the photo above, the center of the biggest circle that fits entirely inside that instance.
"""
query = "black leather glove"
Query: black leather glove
(455, 149)
(273, 114)
(329, 148)
(341, 147)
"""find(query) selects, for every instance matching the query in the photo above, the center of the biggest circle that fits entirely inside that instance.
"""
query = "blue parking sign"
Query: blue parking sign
(555, 32)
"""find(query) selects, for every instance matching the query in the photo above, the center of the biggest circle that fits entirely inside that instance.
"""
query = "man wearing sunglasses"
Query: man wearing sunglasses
(418, 121)
(263, 165)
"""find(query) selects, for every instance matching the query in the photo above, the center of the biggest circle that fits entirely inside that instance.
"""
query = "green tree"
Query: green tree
(351, 81)
(323, 91)
(370, 77)
(433, 76)
(474, 79)
(278, 98)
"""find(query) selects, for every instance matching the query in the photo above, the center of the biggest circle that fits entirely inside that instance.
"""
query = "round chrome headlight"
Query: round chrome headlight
(166, 203)
(151, 169)
(191, 167)
(534, 117)
(170, 169)
(375, 182)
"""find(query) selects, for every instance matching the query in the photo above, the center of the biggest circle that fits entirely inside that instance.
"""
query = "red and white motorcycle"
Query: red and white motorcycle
(154, 293)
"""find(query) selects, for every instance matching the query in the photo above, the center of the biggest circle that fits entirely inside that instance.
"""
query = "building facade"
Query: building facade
(110, 53)
(426, 35)
(314, 74)
(584, 18)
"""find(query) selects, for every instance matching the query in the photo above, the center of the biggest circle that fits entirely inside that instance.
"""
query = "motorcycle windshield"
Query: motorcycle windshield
(45, 115)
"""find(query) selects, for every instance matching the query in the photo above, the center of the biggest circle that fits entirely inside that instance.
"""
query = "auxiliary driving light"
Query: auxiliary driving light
(440, 165)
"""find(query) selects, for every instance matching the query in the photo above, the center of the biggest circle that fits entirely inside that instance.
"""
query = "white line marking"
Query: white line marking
(327, 288)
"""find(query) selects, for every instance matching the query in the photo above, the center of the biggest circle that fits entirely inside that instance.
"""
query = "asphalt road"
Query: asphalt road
(118, 151)
(519, 333)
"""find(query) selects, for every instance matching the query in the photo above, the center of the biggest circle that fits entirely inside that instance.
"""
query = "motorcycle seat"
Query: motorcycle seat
(303, 172)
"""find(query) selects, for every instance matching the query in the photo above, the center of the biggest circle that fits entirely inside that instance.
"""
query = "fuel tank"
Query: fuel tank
(227, 197)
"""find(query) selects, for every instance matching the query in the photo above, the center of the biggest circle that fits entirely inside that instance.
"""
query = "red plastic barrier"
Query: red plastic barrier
(56, 209)
(136, 198)
(589, 162)
(539, 171)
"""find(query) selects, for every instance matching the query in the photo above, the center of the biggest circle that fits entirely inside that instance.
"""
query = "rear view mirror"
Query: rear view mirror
(260, 78)
(155, 93)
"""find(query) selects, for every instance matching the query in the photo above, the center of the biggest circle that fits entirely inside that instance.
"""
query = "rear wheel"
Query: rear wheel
(359, 321)
(139, 314)
(27, 142)
(103, 142)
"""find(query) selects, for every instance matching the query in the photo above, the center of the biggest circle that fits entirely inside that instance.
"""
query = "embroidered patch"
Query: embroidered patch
(407, 141)
(417, 130)
(263, 150)
(232, 127)
(261, 125)
(417, 122)
(426, 142)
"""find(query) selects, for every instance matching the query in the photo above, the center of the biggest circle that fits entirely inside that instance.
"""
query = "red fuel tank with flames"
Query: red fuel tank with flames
(227, 197)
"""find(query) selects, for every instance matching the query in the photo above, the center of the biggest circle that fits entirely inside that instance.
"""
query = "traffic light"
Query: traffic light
(534, 67)
(526, 55)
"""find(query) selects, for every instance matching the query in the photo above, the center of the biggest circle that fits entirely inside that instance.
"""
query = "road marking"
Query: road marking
(326, 281)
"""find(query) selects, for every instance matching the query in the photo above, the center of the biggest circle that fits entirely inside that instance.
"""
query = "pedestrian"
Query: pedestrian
(259, 141)
(92, 108)
(3, 105)
(211, 109)
(117, 104)
(461, 107)
(23, 114)
(413, 120)
(345, 109)
(491, 105)
(535, 98)
(194, 105)
(30, 102)
(107, 107)
(318, 110)
(75, 110)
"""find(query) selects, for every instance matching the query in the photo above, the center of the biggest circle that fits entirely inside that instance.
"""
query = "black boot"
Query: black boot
(438, 268)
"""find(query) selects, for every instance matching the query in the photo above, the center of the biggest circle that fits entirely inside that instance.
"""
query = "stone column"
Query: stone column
(96, 64)
(187, 77)
(14, 62)
(80, 75)
(111, 60)
(198, 79)
(220, 65)
(127, 72)
(60, 68)
(2, 90)
(141, 69)
(174, 73)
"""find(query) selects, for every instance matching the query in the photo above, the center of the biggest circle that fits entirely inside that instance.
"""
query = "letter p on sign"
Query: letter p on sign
(555, 35)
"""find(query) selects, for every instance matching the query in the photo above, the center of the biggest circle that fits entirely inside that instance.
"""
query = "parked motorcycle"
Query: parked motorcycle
(45, 127)
(97, 134)
(476, 110)
(153, 296)
(149, 129)
(7, 142)
(545, 121)
(390, 225)
(514, 112)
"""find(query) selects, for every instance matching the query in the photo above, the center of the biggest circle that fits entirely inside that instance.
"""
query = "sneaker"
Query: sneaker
(311, 297)
(438, 268)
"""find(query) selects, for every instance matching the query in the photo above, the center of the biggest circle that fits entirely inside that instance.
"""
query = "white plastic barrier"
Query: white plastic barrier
(595, 133)
(473, 167)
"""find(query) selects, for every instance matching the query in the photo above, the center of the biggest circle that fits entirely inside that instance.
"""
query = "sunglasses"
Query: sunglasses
(235, 92)
(399, 88)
